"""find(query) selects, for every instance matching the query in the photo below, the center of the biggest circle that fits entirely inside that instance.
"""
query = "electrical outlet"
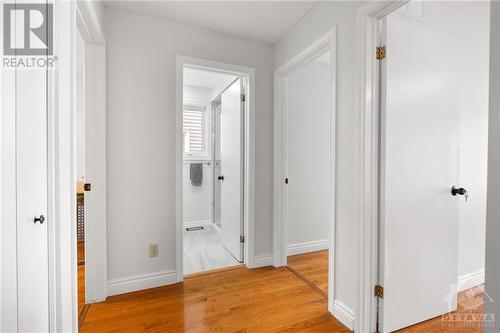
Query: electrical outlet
(153, 250)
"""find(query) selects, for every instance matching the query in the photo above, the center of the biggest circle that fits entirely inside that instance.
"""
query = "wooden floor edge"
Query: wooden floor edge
(309, 283)
(82, 314)
(217, 270)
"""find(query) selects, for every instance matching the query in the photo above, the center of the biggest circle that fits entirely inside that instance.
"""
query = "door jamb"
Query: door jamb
(325, 43)
(249, 154)
(367, 110)
(61, 191)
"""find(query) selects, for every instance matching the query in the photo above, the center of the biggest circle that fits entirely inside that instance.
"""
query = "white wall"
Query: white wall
(493, 213)
(308, 158)
(141, 53)
(197, 200)
(312, 26)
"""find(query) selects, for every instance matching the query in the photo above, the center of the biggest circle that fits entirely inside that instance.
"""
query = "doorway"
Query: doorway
(216, 143)
(308, 97)
(432, 162)
(213, 114)
(304, 168)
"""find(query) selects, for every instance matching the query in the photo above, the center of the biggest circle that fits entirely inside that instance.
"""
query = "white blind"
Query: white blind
(194, 130)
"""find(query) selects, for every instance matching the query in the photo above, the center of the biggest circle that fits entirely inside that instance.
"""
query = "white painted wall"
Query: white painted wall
(141, 53)
(342, 14)
(197, 200)
(309, 151)
(493, 213)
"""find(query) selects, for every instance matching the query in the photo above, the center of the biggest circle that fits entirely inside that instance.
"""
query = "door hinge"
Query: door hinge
(242, 97)
(380, 52)
(379, 291)
(242, 238)
(87, 187)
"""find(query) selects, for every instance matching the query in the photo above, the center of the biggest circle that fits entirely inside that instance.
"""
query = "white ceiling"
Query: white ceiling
(263, 21)
(206, 79)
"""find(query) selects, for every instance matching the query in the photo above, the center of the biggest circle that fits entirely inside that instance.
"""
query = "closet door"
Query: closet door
(231, 178)
(31, 197)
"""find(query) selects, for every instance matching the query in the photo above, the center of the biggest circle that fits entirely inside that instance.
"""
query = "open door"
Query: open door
(419, 167)
(231, 177)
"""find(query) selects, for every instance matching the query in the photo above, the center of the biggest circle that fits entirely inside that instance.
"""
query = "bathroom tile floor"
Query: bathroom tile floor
(203, 251)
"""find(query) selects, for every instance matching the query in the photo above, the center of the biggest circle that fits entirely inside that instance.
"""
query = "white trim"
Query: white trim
(263, 261)
(249, 151)
(280, 194)
(366, 109)
(470, 280)
(63, 296)
(293, 249)
(141, 282)
(343, 314)
(200, 223)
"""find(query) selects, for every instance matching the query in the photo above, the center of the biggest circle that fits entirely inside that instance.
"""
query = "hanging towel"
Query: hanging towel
(196, 173)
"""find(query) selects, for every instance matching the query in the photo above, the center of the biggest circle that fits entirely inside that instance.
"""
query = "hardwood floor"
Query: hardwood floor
(313, 267)
(240, 300)
(81, 287)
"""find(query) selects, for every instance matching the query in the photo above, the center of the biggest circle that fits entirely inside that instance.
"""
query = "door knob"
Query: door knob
(40, 219)
(220, 177)
(458, 191)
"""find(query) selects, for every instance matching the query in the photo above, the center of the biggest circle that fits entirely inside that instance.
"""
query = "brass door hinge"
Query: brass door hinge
(242, 97)
(379, 291)
(380, 52)
(242, 238)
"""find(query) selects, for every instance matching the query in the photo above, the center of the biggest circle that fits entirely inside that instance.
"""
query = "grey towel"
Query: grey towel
(196, 173)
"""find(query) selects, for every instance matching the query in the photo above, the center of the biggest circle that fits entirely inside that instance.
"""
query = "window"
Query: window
(195, 130)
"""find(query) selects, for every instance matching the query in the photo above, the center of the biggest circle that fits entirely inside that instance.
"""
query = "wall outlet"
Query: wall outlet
(153, 250)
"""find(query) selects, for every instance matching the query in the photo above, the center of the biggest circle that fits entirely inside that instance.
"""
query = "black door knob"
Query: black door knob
(458, 191)
(40, 219)
(220, 177)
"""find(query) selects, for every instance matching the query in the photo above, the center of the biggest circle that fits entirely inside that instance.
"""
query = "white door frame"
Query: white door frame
(63, 297)
(249, 154)
(367, 109)
(280, 194)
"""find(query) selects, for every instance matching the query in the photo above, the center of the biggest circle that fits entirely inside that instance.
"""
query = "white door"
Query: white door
(32, 222)
(419, 155)
(231, 178)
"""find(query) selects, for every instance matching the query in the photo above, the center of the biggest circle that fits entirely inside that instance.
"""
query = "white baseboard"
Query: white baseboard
(343, 314)
(140, 282)
(470, 280)
(300, 248)
(191, 224)
(262, 261)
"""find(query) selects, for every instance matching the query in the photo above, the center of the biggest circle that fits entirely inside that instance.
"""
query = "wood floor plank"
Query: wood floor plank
(240, 300)
(313, 267)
